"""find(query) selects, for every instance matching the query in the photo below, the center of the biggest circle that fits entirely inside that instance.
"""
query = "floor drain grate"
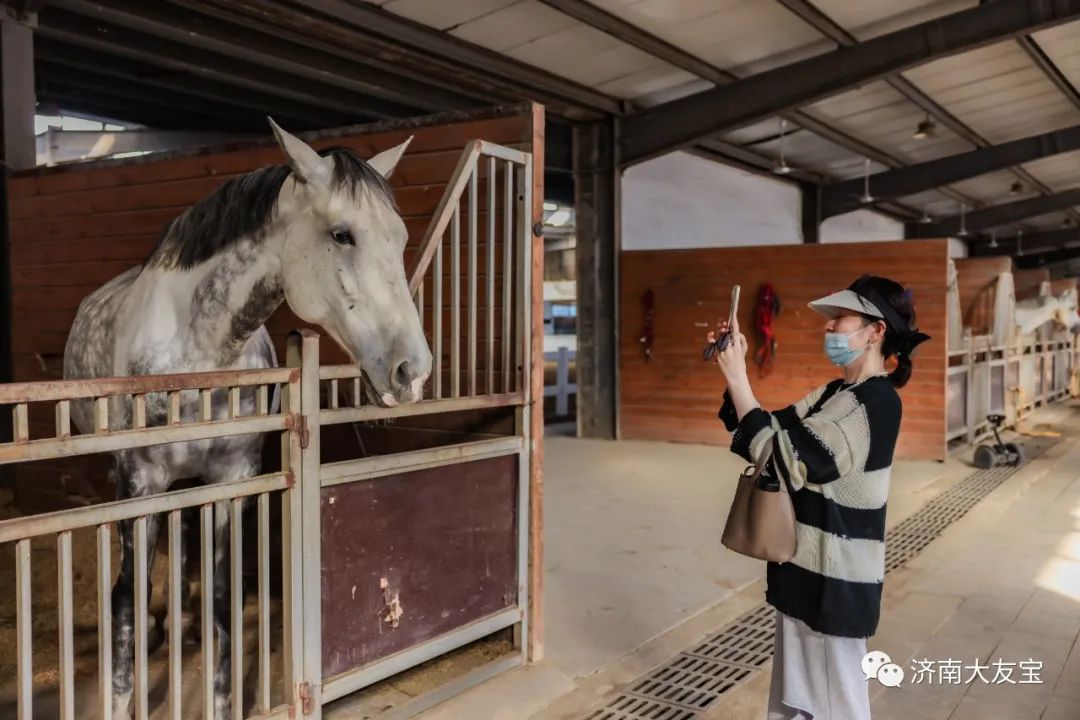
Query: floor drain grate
(694, 679)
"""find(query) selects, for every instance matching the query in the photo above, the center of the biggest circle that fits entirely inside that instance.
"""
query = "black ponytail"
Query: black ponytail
(894, 301)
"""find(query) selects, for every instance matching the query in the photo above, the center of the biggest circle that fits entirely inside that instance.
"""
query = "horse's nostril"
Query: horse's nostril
(402, 377)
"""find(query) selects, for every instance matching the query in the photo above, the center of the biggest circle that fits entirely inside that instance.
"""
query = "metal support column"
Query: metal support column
(18, 152)
(811, 212)
(597, 181)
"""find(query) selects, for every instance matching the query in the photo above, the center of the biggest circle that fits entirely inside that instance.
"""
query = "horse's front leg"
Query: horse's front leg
(133, 479)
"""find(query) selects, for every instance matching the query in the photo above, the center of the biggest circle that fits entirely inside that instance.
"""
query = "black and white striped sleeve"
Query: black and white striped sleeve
(823, 447)
(782, 418)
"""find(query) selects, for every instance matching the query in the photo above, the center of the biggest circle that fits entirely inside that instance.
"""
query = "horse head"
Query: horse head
(343, 267)
(1066, 314)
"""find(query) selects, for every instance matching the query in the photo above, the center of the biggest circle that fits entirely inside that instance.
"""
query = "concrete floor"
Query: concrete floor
(634, 568)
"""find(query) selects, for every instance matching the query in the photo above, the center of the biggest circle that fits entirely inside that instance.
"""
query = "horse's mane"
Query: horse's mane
(244, 206)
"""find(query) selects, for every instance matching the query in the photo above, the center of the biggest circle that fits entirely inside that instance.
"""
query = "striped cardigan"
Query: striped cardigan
(835, 449)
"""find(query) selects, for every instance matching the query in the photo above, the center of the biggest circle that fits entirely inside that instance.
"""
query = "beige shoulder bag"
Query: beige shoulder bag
(761, 522)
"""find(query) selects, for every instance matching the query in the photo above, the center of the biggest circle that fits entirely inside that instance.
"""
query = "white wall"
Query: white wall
(680, 200)
(860, 226)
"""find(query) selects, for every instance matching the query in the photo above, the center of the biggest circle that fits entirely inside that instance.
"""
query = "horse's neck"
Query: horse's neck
(222, 302)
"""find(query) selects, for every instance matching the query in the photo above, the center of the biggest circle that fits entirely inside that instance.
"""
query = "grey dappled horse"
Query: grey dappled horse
(321, 233)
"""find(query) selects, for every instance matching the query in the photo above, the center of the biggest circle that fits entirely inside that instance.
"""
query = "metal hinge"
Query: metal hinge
(298, 424)
(306, 697)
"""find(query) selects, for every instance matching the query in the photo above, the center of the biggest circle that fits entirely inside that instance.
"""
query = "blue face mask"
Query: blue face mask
(838, 347)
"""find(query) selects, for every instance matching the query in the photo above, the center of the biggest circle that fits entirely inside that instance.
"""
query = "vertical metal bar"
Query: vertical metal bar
(21, 423)
(455, 304)
(176, 643)
(236, 633)
(311, 544)
(472, 283)
(523, 241)
(101, 414)
(524, 412)
(234, 402)
(104, 590)
(436, 317)
(173, 412)
(263, 693)
(292, 539)
(67, 626)
(357, 395)
(206, 589)
(63, 419)
(23, 632)
(206, 406)
(490, 295)
(508, 269)
(138, 411)
(333, 395)
(142, 689)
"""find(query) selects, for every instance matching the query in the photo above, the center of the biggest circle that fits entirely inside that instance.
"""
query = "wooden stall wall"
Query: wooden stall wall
(674, 396)
(75, 227)
(1027, 282)
(977, 283)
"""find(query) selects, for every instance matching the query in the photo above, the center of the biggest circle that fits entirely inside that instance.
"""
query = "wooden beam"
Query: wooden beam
(998, 215)
(842, 197)
(663, 128)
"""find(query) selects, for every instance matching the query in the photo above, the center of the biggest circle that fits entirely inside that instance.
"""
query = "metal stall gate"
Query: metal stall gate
(361, 598)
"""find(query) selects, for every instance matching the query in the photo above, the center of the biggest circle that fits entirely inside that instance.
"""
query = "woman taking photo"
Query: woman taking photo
(834, 450)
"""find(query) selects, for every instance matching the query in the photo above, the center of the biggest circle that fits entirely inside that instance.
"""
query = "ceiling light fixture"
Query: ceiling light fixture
(780, 167)
(926, 219)
(1019, 243)
(925, 129)
(993, 239)
(963, 221)
(866, 198)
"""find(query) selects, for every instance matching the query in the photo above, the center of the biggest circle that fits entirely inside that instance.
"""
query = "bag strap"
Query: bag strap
(760, 467)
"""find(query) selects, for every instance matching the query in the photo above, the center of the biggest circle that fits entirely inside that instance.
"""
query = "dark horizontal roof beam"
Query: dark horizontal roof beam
(67, 29)
(79, 69)
(1030, 242)
(565, 96)
(1045, 259)
(997, 215)
(663, 128)
(152, 113)
(631, 34)
(224, 50)
(843, 197)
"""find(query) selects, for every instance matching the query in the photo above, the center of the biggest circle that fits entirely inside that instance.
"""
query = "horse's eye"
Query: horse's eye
(342, 237)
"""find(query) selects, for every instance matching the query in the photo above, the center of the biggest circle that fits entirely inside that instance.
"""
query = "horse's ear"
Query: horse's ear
(309, 167)
(387, 160)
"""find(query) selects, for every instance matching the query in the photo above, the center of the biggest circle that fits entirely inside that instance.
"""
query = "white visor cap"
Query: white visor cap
(845, 301)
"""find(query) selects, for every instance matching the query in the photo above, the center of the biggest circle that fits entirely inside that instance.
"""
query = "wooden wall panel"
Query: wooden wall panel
(675, 395)
(1027, 282)
(977, 282)
(1061, 285)
(75, 227)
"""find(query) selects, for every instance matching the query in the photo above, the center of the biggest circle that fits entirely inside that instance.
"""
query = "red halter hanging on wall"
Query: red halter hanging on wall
(768, 307)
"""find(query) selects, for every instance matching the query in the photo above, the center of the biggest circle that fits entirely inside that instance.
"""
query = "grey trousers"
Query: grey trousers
(816, 676)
